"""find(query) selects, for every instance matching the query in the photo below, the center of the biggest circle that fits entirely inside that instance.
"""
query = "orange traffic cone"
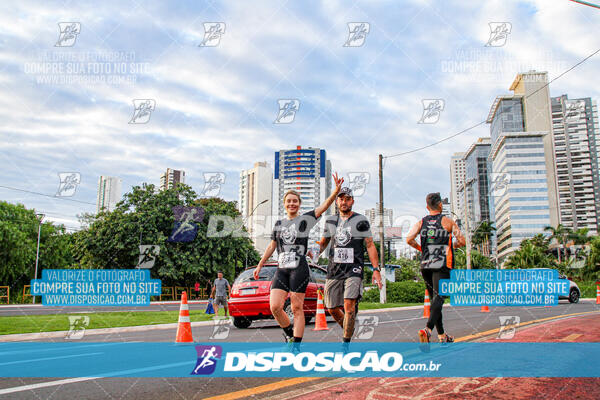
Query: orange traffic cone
(321, 321)
(427, 306)
(485, 309)
(184, 329)
(598, 292)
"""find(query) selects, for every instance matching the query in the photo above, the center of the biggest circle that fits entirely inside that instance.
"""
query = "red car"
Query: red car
(249, 299)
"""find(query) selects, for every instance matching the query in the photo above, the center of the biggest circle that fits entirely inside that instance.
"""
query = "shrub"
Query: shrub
(371, 296)
(399, 292)
(588, 289)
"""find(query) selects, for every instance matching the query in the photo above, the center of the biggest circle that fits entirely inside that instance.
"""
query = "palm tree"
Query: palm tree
(561, 235)
(529, 255)
(580, 236)
(541, 241)
(482, 236)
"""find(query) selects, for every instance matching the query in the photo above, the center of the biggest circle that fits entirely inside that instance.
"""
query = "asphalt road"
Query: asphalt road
(393, 325)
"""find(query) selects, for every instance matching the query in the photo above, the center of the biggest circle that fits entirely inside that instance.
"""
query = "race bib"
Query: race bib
(288, 260)
(343, 255)
(437, 257)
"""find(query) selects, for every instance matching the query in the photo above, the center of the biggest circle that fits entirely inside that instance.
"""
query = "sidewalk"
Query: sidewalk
(584, 328)
(574, 329)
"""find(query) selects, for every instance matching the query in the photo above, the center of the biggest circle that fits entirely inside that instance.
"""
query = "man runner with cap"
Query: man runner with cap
(343, 288)
(437, 259)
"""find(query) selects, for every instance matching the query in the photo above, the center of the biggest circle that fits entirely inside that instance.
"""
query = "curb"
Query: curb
(152, 303)
(102, 331)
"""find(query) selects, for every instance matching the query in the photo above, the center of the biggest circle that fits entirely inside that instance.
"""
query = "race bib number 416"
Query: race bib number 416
(343, 255)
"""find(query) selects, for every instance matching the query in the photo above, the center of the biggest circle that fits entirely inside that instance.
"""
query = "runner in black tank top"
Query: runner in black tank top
(436, 244)
(437, 259)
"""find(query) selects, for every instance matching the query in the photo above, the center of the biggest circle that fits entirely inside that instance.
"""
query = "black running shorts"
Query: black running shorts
(292, 279)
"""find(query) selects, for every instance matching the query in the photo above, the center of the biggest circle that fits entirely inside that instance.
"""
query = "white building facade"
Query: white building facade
(109, 193)
(254, 203)
(577, 145)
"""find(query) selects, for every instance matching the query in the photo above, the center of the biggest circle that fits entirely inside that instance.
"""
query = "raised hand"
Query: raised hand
(338, 182)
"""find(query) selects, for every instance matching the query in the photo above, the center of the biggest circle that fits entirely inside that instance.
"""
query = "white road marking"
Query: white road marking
(76, 380)
(43, 385)
(49, 358)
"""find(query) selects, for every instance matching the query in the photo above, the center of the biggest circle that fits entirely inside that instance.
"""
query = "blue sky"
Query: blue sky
(215, 106)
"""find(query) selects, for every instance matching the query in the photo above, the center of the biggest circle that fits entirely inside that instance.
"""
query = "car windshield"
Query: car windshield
(266, 274)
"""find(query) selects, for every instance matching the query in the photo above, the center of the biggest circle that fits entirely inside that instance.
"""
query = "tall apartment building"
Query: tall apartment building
(457, 178)
(109, 193)
(306, 171)
(577, 145)
(446, 208)
(372, 215)
(170, 178)
(256, 185)
(523, 185)
(476, 174)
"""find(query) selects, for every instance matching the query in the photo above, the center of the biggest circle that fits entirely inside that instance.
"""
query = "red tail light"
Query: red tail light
(251, 288)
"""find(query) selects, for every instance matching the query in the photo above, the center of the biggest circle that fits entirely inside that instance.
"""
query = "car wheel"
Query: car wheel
(307, 320)
(287, 308)
(241, 322)
(574, 296)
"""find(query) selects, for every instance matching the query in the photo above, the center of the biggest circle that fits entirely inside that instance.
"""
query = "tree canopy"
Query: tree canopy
(112, 239)
(145, 217)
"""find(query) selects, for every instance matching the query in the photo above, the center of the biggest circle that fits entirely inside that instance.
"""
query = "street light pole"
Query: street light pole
(37, 254)
(250, 230)
(382, 292)
(467, 232)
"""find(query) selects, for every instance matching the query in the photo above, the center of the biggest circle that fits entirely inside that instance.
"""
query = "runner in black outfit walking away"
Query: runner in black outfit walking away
(290, 238)
(437, 259)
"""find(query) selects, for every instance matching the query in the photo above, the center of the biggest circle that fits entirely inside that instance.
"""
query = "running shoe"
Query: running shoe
(447, 339)
(345, 347)
(295, 348)
(289, 342)
(424, 335)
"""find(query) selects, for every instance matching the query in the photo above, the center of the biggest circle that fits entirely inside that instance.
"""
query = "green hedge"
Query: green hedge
(399, 292)
(588, 289)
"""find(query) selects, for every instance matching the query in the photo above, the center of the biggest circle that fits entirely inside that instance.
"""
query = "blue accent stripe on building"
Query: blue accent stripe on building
(276, 165)
(299, 151)
(298, 176)
(323, 156)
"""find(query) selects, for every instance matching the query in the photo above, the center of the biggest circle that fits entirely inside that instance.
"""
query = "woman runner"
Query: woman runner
(290, 238)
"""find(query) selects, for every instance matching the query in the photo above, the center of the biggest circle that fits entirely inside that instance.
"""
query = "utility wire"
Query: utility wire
(46, 195)
(484, 121)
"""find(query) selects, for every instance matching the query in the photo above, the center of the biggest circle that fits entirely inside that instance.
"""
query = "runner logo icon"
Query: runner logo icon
(207, 359)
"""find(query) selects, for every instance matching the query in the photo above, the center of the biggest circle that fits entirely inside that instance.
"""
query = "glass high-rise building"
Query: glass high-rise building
(476, 174)
(522, 178)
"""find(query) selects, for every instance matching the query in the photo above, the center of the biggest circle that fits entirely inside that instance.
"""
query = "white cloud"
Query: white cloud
(215, 106)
